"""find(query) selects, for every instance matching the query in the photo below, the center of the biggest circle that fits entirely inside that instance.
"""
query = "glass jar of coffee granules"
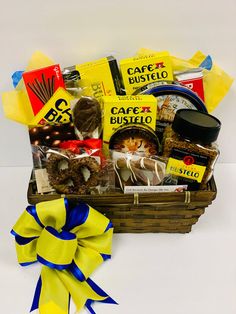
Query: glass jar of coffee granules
(190, 147)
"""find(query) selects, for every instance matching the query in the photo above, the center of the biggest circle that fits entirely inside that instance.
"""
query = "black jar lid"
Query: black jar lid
(196, 126)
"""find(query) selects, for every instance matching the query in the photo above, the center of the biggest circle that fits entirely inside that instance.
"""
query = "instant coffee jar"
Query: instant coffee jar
(190, 145)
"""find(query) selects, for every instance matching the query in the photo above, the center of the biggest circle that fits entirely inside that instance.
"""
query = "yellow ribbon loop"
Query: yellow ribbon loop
(52, 213)
(56, 248)
(70, 242)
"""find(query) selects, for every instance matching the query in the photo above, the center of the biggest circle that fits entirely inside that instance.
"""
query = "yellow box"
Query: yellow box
(144, 69)
(120, 110)
(99, 78)
(56, 110)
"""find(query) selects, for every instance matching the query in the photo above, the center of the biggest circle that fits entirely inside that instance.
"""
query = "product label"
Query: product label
(56, 110)
(97, 78)
(154, 189)
(42, 181)
(139, 71)
(122, 110)
(187, 165)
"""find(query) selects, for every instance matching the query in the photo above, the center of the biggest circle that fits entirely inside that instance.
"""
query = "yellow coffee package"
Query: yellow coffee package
(144, 69)
(96, 78)
(121, 110)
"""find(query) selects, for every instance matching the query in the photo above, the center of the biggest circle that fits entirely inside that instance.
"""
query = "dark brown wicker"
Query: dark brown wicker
(157, 212)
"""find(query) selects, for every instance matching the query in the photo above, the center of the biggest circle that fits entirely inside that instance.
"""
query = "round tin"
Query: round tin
(172, 96)
(135, 138)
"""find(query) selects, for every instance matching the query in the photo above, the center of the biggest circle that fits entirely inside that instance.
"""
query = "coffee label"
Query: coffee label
(187, 165)
(142, 70)
(121, 110)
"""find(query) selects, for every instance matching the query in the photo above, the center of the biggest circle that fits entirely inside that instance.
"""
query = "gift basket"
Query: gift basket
(134, 139)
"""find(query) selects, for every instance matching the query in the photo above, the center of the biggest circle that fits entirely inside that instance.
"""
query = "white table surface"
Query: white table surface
(149, 273)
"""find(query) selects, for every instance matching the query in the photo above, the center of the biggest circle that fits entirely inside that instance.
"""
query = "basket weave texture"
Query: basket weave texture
(169, 212)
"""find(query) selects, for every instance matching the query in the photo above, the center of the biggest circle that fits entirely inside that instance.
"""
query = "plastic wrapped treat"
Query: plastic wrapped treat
(87, 117)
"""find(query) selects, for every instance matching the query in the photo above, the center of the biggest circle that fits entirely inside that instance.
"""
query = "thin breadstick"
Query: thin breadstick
(36, 93)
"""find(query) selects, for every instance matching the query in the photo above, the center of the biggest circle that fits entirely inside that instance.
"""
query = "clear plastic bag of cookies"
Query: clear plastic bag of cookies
(70, 171)
(134, 170)
(135, 173)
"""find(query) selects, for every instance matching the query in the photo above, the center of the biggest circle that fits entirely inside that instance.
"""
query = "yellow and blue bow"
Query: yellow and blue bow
(70, 242)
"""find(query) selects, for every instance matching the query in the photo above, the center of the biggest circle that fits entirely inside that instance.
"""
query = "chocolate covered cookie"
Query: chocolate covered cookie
(87, 115)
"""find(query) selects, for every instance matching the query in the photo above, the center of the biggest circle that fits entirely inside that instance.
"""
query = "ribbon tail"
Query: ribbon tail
(83, 293)
(88, 305)
(52, 296)
(35, 303)
(99, 291)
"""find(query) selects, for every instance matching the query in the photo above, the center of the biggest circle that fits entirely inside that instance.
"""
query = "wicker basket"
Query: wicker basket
(138, 213)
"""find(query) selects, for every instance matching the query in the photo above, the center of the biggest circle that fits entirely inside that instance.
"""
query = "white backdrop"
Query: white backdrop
(76, 31)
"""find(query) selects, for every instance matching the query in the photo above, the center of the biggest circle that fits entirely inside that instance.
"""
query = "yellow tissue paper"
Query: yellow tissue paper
(16, 104)
(216, 81)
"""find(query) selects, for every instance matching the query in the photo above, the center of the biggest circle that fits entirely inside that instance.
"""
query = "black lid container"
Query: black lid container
(190, 148)
(196, 126)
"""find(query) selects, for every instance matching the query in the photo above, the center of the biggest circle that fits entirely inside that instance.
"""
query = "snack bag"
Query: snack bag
(138, 174)
(64, 171)
(92, 147)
